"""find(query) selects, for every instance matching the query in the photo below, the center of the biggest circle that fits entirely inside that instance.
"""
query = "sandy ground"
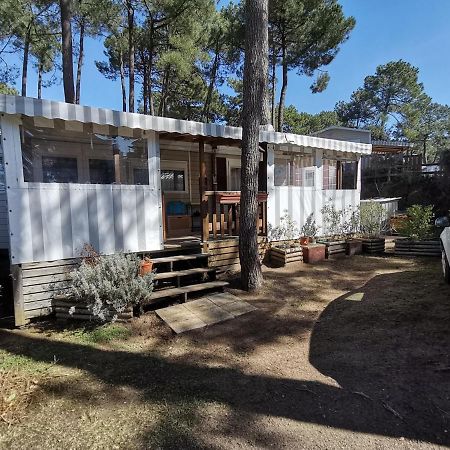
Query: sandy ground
(351, 353)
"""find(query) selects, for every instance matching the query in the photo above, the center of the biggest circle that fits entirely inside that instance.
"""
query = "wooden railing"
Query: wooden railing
(222, 216)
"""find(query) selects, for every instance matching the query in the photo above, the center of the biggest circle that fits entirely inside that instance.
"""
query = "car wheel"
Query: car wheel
(445, 267)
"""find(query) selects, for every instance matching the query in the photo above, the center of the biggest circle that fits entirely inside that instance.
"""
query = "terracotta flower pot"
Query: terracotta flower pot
(304, 240)
(146, 266)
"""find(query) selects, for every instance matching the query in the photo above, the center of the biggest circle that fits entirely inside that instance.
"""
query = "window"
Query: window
(235, 175)
(298, 170)
(172, 180)
(140, 176)
(329, 174)
(59, 170)
(349, 174)
(174, 176)
(309, 177)
(339, 174)
(57, 154)
(101, 171)
(281, 172)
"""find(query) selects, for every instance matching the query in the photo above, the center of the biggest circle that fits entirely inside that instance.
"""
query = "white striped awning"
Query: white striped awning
(49, 109)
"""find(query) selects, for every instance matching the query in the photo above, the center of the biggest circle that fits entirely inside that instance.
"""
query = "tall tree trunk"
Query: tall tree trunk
(130, 18)
(212, 82)
(254, 105)
(67, 54)
(26, 52)
(424, 151)
(284, 84)
(145, 83)
(122, 82)
(151, 104)
(39, 84)
(264, 63)
(80, 63)
(274, 85)
(163, 96)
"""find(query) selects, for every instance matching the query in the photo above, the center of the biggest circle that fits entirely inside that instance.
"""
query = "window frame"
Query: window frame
(290, 172)
(73, 152)
(232, 164)
(340, 173)
(176, 166)
(55, 158)
(47, 144)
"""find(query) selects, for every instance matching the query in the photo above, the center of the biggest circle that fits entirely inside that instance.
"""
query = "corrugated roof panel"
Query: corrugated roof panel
(32, 107)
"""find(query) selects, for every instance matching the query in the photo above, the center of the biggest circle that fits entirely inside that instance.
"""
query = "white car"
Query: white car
(445, 245)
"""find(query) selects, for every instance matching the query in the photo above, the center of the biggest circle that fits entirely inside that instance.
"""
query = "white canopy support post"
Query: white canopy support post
(154, 179)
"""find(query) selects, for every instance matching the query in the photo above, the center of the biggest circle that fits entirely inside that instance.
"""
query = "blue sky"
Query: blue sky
(417, 31)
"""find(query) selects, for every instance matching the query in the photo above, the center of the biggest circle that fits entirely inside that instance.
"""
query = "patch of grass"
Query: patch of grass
(103, 334)
(10, 361)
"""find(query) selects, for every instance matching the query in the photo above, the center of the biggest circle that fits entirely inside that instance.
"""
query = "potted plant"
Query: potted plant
(309, 231)
(104, 288)
(372, 217)
(284, 247)
(419, 232)
(352, 228)
(333, 227)
(146, 266)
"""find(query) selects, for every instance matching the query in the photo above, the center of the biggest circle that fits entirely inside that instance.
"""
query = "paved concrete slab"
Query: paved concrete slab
(238, 308)
(180, 319)
(203, 312)
(223, 298)
(209, 313)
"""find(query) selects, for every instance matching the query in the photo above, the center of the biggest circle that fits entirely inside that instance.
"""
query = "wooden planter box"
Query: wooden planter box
(62, 305)
(354, 247)
(282, 256)
(373, 246)
(333, 247)
(408, 247)
(313, 253)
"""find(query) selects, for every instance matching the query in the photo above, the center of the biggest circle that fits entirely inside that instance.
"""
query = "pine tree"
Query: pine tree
(254, 114)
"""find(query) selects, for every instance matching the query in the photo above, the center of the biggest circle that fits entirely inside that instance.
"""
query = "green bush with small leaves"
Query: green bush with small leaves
(418, 226)
(372, 217)
(110, 282)
(309, 228)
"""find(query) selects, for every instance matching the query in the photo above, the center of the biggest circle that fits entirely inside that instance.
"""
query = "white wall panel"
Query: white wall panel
(79, 217)
(52, 221)
(107, 240)
(301, 202)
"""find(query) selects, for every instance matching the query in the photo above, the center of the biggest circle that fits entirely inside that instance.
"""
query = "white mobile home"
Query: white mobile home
(131, 182)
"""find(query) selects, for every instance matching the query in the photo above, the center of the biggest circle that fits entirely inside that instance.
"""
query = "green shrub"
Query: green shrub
(286, 231)
(332, 220)
(372, 217)
(310, 229)
(352, 221)
(418, 226)
(110, 282)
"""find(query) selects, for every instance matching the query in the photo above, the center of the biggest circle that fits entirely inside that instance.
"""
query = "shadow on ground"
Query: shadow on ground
(386, 344)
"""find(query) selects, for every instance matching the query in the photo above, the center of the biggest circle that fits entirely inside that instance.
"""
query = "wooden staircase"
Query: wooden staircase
(179, 275)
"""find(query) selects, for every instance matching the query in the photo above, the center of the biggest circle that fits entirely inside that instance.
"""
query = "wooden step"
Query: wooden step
(172, 259)
(156, 295)
(182, 273)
